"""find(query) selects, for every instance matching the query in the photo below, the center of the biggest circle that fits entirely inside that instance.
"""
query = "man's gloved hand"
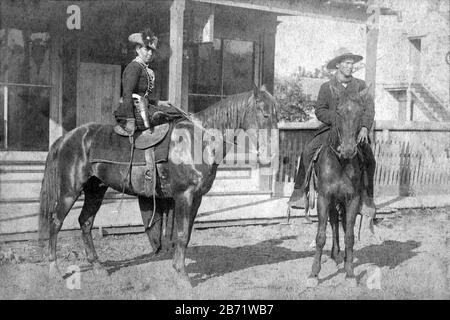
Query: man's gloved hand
(130, 126)
(363, 135)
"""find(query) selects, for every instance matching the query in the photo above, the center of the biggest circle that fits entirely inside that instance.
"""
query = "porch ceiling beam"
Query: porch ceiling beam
(332, 11)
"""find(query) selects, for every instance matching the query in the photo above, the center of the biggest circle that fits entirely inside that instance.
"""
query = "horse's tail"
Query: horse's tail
(49, 190)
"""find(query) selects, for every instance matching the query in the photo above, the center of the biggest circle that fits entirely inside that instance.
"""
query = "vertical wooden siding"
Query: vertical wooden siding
(98, 92)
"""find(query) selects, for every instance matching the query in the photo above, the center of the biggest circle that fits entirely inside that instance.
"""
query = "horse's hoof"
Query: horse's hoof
(339, 265)
(183, 279)
(351, 281)
(312, 282)
(99, 270)
(54, 272)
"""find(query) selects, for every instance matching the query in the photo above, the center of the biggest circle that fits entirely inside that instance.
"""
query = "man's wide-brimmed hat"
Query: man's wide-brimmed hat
(145, 38)
(342, 54)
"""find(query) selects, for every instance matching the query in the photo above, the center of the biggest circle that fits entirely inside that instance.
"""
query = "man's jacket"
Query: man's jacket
(328, 101)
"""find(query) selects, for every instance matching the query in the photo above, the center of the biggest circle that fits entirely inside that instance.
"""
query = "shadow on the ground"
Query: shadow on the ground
(115, 265)
(215, 261)
(390, 254)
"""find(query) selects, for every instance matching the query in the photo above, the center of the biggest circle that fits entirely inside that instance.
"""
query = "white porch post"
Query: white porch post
(372, 28)
(371, 46)
(55, 125)
(176, 48)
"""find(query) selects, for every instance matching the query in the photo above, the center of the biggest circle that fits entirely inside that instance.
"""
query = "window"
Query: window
(219, 69)
(24, 90)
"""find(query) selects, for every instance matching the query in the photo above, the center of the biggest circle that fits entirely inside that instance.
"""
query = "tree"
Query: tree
(294, 104)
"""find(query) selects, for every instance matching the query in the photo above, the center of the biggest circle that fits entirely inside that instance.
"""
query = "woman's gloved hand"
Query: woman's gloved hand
(164, 104)
(130, 126)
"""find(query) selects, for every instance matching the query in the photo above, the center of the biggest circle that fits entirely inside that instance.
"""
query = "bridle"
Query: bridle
(336, 152)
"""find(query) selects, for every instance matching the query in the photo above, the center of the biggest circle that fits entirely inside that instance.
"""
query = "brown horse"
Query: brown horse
(69, 172)
(339, 183)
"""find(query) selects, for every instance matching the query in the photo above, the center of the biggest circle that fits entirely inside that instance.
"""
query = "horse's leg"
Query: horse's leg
(344, 218)
(154, 231)
(323, 205)
(183, 205)
(63, 207)
(93, 197)
(168, 239)
(351, 211)
(334, 221)
(195, 205)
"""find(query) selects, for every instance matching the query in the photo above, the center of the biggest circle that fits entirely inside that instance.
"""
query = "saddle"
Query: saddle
(148, 138)
(146, 148)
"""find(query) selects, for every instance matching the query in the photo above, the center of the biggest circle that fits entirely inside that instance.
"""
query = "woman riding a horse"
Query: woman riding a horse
(138, 111)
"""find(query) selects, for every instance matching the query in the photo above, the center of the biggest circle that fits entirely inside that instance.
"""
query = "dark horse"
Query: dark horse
(339, 183)
(68, 173)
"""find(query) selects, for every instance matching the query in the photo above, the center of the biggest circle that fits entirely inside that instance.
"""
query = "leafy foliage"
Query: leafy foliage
(294, 104)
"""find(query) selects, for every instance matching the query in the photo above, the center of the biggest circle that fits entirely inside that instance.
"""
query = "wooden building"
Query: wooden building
(61, 64)
(69, 56)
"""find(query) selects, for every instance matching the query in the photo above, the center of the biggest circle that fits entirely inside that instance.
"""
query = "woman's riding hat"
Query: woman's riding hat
(342, 54)
(145, 38)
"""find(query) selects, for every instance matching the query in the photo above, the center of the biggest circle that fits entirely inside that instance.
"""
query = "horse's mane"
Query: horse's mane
(352, 96)
(227, 113)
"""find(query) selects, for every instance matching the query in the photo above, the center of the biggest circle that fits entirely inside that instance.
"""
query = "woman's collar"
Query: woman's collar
(138, 59)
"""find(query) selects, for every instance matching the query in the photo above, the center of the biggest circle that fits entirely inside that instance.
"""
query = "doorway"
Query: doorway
(415, 59)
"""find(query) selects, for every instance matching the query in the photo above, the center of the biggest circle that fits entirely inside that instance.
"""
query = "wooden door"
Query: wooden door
(415, 58)
(98, 92)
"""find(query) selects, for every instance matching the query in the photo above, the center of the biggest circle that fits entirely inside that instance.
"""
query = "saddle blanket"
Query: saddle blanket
(107, 146)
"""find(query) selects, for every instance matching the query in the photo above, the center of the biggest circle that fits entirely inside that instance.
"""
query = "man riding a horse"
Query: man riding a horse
(138, 111)
(326, 111)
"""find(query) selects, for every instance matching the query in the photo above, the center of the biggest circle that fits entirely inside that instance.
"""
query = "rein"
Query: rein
(338, 154)
(119, 208)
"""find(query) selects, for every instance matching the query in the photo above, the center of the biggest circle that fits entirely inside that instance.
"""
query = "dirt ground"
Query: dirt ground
(251, 262)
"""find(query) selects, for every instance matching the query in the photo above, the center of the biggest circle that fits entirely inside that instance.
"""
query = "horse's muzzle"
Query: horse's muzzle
(348, 152)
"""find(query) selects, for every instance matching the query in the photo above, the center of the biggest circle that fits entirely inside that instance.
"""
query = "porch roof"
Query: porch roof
(349, 10)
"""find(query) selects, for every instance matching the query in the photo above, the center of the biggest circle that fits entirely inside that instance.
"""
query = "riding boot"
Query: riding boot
(368, 210)
(298, 196)
(145, 117)
(368, 205)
